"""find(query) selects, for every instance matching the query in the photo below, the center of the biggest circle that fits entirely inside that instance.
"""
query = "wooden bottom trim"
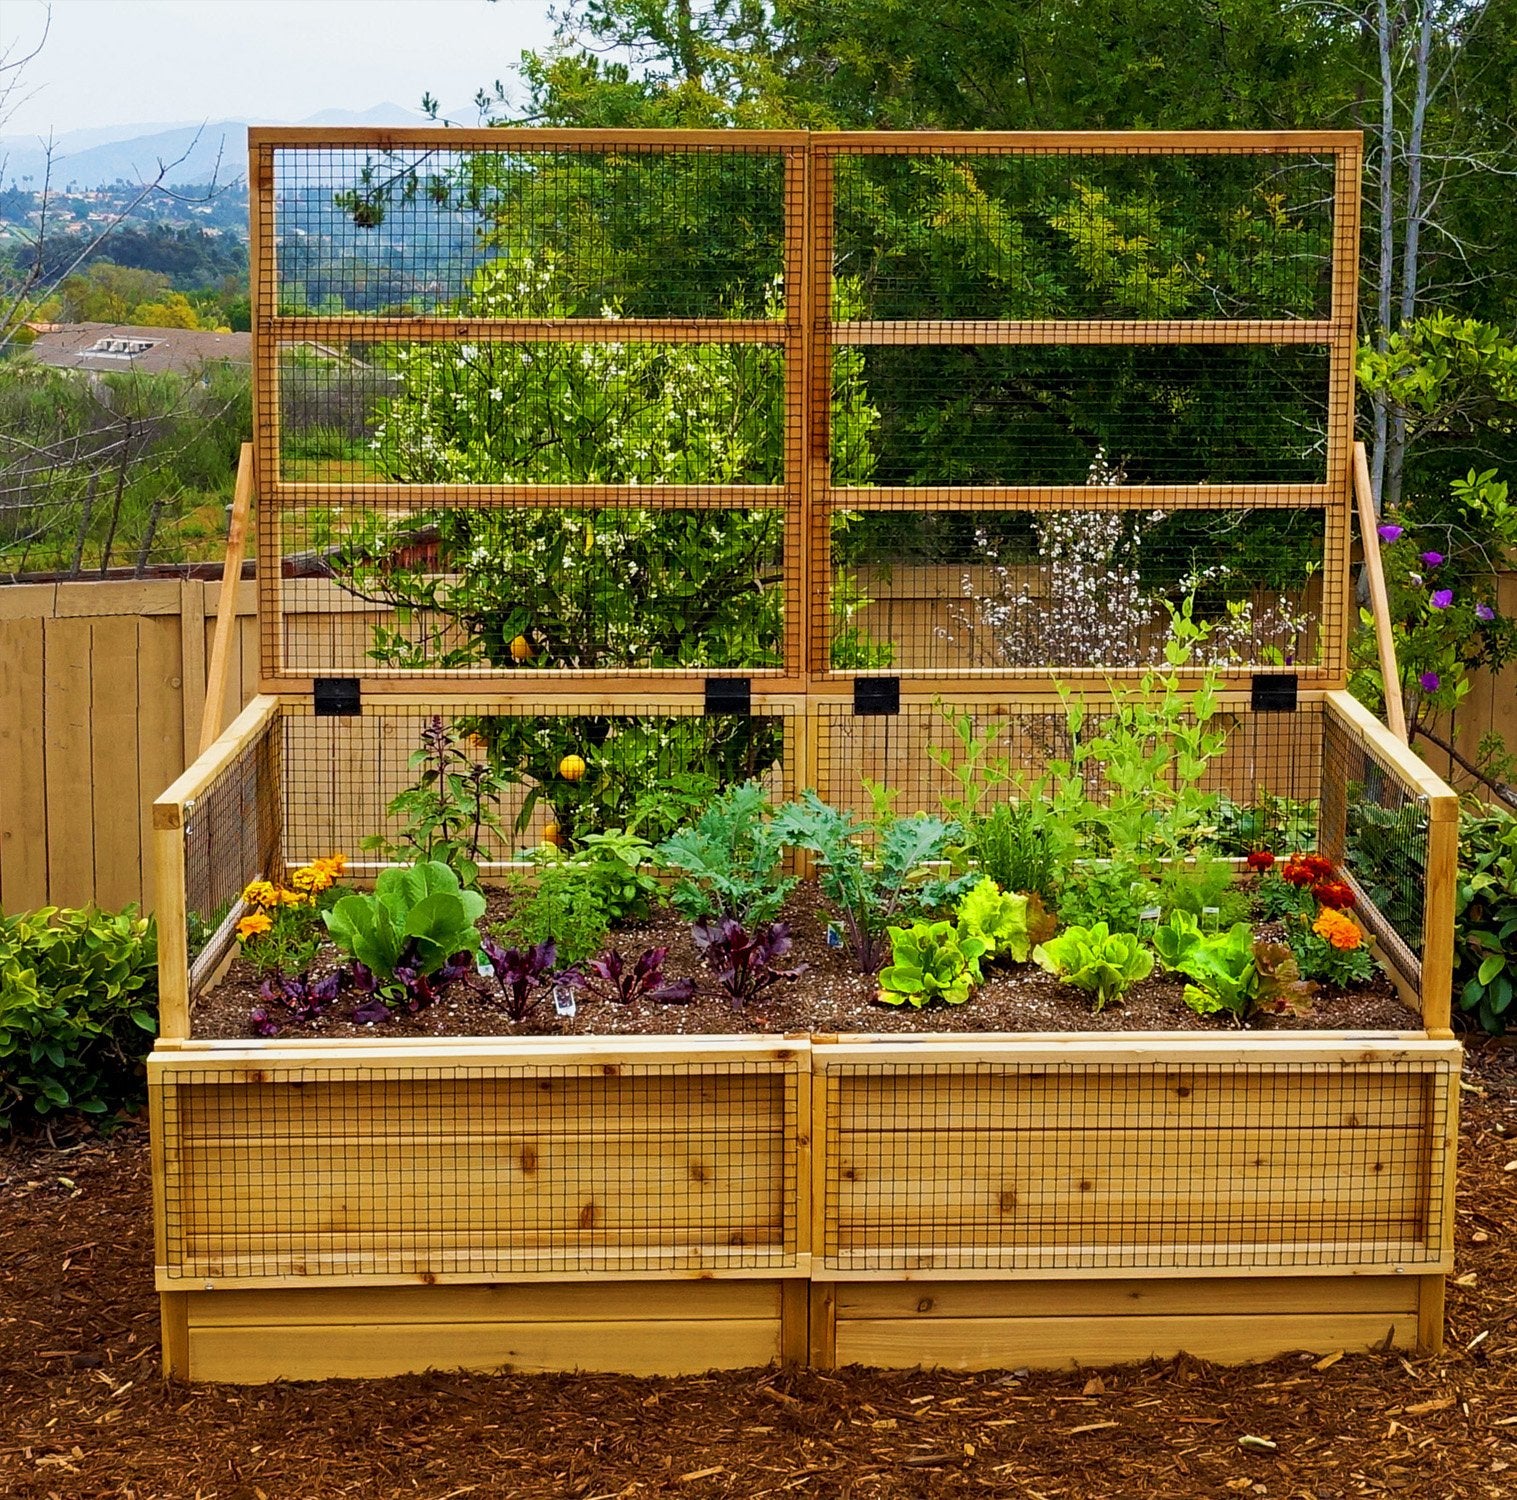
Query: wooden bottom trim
(1063, 1325)
(249, 1338)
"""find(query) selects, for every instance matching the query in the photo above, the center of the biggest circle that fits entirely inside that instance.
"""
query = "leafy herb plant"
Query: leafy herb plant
(744, 961)
(448, 813)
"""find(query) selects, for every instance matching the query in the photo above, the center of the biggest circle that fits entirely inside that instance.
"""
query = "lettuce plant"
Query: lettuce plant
(1230, 972)
(1175, 937)
(610, 977)
(931, 961)
(744, 961)
(1007, 922)
(413, 933)
(1105, 963)
(865, 869)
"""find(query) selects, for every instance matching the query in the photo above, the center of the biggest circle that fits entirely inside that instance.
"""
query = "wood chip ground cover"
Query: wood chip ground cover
(84, 1414)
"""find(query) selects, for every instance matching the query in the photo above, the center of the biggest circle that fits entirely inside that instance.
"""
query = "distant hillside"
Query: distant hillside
(84, 160)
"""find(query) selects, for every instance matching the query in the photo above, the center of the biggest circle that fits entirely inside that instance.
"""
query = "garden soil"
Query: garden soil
(831, 996)
(84, 1413)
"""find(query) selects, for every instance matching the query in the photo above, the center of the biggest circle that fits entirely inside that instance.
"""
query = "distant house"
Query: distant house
(99, 348)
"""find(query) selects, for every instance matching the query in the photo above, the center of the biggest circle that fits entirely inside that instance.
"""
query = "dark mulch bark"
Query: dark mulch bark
(831, 996)
(83, 1412)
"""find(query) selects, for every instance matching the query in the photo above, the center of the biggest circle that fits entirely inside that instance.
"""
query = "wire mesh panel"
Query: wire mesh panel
(233, 833)
(1011, 1165)
(629, 403)
(515, 1165)
(1375, 826)
(1090, 372)
(529, 403)
(360, 785)
(1268, 772)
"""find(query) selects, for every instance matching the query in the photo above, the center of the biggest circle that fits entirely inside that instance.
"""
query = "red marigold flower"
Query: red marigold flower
(1335, 894)
(1298, 872)
(1261, 860)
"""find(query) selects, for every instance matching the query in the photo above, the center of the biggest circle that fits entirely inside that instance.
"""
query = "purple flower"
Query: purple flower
(1442, 598)
(1388, 532)
(1430, 682)
(1484, 612)
(1432, 559)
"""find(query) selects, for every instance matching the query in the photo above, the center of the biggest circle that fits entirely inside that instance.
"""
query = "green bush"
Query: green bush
(1485, 917)
(78, 1003)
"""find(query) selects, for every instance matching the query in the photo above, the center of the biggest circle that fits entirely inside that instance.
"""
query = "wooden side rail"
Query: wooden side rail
(169, 813)
(1442, 805)
(1374, 572)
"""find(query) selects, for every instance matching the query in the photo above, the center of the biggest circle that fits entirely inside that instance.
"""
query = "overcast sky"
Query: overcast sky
(126, 62)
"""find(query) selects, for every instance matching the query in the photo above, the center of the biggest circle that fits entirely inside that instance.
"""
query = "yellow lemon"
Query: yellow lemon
(571, 768)
(551, 835)
(521, 649)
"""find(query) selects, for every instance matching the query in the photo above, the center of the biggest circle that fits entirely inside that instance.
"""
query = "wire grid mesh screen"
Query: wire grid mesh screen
(1072, 387)
(232, 834)
(480, 1171)
(530, 408)
(1376, 827)
(1267, 774)
(356, 785)
(544, 407)
(1002, 1167)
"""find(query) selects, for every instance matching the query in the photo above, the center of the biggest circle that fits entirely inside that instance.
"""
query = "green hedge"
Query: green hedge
(1485, 928)
(78, 1011)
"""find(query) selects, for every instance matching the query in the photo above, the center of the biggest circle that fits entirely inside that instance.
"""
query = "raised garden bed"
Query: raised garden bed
(393, 1198)
(778, 522)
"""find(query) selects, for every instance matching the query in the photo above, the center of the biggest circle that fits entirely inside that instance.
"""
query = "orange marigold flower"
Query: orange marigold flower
(260, 893)
(291, 898)
(1341, 931)
(333, 864)
(255, 924)
(1260, 860)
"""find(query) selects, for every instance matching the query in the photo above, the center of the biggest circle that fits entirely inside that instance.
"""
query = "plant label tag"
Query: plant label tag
(834, 935)
(563, 1001)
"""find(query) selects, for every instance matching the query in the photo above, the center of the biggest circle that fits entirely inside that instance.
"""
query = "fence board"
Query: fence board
(23, 787)
(116, 819)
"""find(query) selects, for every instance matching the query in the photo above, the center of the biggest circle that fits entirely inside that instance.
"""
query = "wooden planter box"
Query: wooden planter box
(659, 1206)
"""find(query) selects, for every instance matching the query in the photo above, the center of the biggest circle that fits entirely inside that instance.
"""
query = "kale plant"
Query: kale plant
(865, 869)
(729, 860)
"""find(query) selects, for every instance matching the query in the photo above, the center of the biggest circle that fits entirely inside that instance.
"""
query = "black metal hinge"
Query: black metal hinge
(1274, 693)
(729, 695)
(335, 697)
(876, 695)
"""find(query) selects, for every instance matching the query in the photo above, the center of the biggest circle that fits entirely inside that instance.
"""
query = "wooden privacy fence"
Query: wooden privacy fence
(102, 688)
